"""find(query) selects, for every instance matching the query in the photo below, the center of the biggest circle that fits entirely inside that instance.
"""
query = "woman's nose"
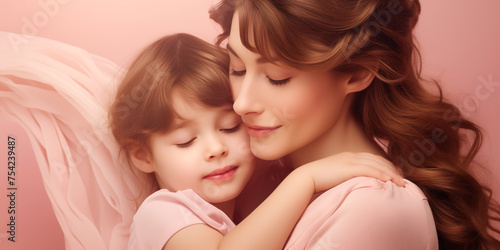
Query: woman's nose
(245, 97)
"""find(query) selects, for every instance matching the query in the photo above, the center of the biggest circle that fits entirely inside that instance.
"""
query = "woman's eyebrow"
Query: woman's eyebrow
(231, 50)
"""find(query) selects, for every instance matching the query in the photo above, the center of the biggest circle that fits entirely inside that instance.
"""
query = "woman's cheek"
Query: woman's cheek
(297, 106)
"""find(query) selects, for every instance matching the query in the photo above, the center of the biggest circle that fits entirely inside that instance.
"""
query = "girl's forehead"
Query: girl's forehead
(187, 108)
(196, 116)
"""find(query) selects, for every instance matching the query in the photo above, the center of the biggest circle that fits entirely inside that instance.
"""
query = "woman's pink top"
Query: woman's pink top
(164, 213)
(365, 213)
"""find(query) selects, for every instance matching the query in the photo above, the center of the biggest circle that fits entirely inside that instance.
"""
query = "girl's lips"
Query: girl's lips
(257, 131)
(221, 173)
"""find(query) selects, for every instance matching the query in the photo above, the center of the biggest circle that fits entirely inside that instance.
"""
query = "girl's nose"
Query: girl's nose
(215, 150)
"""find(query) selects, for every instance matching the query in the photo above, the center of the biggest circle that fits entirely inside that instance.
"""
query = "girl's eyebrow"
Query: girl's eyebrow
(181, 123)
(260, 60)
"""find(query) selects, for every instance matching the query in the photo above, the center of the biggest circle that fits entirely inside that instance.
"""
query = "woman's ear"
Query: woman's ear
(141, 158)
(360, 80)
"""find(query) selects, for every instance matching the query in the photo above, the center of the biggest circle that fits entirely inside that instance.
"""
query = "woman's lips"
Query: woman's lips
(222, 173)
(258, 131)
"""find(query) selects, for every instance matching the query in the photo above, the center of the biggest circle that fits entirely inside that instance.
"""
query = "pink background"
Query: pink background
(458, 40)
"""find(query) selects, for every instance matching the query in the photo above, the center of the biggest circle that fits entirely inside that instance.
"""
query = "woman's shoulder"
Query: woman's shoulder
(373, 196)
(371, 209)
(370, 196)
(381, 190)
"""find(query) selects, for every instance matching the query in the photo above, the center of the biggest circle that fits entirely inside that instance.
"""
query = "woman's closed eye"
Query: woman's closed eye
(186, 144)
(278, 82)
(231, 130)
(272, 81)
(233, 72)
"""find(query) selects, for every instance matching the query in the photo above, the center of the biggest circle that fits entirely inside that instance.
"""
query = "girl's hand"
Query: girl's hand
(333, 170)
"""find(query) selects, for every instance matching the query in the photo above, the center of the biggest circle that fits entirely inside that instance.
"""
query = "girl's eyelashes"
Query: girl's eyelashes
(185, 144)
(225, 130)
(237, 73)
(278, 82)
(231, 130)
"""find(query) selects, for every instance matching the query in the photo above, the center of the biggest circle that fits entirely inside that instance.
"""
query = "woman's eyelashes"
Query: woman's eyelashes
(278, 82)
(272, 81)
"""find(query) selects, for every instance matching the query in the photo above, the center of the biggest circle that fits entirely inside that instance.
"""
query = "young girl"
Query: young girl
(173, 117)
(337, 75)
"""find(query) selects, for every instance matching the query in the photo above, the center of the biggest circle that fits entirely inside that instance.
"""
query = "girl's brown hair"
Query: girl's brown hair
(179, 62)
(426, 136)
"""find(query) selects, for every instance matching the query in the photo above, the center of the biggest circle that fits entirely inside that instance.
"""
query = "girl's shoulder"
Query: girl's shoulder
(164, 213)
(182, 206)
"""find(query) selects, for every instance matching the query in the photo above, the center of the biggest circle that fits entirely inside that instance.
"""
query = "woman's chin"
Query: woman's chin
(267, 152)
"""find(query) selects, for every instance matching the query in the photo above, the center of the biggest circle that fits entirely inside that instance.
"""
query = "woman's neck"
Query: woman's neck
(346, 135)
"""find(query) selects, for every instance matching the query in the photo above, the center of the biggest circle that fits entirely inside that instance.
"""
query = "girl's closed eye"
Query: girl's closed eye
(237, 72)
(231, 130)
(186, 144)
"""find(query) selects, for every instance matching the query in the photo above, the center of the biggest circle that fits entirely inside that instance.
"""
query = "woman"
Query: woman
(313, 78)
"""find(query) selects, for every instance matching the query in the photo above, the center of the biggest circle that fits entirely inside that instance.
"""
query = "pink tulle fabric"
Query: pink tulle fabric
(60, 95)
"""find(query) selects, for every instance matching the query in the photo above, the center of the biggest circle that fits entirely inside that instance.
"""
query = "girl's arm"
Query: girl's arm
(270, 224)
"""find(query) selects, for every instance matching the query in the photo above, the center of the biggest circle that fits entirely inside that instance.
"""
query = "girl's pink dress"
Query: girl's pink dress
(164, 213)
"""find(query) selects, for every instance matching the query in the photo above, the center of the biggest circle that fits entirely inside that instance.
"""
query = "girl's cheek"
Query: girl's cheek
(241, 145)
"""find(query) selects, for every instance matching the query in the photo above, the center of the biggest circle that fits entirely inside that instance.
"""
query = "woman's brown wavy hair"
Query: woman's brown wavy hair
(143, 106)
(426, 136)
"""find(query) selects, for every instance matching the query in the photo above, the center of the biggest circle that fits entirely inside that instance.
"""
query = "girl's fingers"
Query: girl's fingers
(385, 167)
(381, 173)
